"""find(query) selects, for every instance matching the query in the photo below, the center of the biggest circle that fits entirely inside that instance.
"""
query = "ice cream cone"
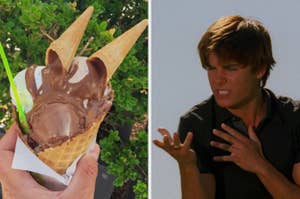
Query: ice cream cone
(66, 45)
(59, 158)
(113, 53)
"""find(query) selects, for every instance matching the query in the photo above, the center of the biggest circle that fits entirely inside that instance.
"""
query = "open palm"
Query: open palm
(182, 152)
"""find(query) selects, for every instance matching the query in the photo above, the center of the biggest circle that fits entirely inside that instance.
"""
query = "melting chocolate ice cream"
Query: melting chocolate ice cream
(67, 103)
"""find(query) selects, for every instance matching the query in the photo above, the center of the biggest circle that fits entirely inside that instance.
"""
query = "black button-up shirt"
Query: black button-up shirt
(279, 133)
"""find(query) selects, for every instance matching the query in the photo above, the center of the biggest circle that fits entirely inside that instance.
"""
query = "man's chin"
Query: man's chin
(225, 104)
(221, 102)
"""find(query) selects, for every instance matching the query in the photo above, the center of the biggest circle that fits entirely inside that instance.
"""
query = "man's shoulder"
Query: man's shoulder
(288, 104)
(198, 120)
(200, 112)
(289, 108)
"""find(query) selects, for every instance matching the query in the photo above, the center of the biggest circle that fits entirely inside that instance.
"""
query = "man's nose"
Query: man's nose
(220, 76)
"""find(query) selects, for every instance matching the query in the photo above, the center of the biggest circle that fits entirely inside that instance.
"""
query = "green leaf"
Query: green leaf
(103, 26)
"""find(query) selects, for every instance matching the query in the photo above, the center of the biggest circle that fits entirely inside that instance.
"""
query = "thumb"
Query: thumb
(84, 181)
(252, 135)
(8, 141)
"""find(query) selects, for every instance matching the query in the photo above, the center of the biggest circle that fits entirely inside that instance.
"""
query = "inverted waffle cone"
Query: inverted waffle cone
(66, 45)
(59, 158)
(113, 53)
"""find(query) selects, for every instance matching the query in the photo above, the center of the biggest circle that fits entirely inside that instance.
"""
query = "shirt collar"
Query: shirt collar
(224, 115)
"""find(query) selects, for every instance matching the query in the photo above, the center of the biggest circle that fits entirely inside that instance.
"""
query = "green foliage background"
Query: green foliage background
(26, 30)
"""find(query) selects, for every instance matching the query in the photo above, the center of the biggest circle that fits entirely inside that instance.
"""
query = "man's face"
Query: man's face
(232, 84)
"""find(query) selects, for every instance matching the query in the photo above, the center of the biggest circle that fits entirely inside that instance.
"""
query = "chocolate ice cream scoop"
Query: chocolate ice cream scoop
(66, 104)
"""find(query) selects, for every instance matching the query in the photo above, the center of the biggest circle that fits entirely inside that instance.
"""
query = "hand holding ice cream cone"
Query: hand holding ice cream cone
(71, 96)
(20, 184)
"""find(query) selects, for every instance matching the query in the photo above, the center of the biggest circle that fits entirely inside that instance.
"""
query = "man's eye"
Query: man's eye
(209, 68)
(232, 68)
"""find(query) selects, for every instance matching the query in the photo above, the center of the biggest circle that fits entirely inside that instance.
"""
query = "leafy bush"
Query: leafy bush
(27, 29)
(127, 161)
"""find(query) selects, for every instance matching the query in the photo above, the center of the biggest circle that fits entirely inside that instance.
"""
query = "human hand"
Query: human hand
(20, 184)
(181, 152)
(245, 152)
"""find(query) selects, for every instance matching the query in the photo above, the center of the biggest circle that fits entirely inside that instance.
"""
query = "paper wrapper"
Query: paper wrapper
(25, 159)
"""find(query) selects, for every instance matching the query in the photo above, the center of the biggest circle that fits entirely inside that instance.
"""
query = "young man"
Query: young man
(243, 142)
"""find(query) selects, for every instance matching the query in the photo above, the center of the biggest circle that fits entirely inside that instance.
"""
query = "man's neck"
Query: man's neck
(252, 112)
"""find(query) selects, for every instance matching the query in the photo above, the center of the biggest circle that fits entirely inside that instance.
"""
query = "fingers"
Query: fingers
(162, 145)
(225, 158)
(167, 141)
(85, 176)
(165, 133)
(188, 140)
(8, 141)
(222, 146)
(159, 143)
(9, 175)
(6, 160)
(176, 139)
(234, 133)
(225, 136)
(167, 138)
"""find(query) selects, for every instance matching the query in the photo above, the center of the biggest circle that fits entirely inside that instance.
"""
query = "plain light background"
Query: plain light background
(178, 81)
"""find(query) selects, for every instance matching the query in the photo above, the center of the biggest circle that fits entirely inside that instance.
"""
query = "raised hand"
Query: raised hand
(245, 152)
(181, 152)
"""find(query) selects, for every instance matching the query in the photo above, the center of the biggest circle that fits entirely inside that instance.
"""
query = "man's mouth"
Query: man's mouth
(221, 92)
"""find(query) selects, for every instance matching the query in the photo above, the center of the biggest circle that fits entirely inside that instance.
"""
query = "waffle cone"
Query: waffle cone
(59, 158)
(113, 53)
(66, 45)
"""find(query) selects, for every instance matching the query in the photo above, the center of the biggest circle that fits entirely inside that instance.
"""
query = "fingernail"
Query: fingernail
(95, 152)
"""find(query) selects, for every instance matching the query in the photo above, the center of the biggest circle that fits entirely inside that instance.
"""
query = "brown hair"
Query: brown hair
(236, 38)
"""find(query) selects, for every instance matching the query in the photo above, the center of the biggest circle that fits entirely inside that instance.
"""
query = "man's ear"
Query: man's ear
(261, 72)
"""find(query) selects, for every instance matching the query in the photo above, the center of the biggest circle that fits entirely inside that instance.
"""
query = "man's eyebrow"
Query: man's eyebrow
(223, 66)
(230, 65)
